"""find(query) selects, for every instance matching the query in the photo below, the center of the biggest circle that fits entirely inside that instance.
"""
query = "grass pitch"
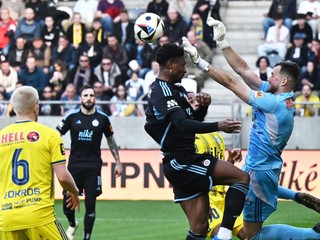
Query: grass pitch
(145, 220)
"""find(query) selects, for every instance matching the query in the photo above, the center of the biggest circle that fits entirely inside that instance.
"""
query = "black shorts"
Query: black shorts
(190, 175)
(87, 180)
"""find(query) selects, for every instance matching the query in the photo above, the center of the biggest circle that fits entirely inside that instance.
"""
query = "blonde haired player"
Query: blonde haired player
(29, 154)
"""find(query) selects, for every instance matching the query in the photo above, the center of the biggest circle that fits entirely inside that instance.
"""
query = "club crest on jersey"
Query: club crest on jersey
(33, 136)
(206, 162)
(95, 123)
(258, 94)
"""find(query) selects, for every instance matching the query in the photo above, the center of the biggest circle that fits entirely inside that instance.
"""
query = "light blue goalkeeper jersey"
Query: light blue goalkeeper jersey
(273, 117)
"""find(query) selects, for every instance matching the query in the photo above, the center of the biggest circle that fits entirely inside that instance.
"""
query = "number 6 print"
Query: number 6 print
(16, 163)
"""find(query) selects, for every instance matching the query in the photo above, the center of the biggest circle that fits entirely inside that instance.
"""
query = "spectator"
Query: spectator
(3, 106)
(87, 10)
(108, 11)
(109, 74)
(48, 109)
(148, 80)
(298, 53)
(184, 8)
(124, 31)
(76, 31)
(205, 52)
(58, 15)
(143, 56)
(197, 25)
(82, 75)
(175, 27)
(263, 68)
(150, 77)
(119, 106)
(17, 8)
(28, 28)
(118, 54)
(134, 86)
(42, 53)
(92, 49)
(285, 8)
(58, 79)
(65, 52)
(8, 77)
(40, 9)
(309, 77)
(98, 31)
(206, 8)
(162, 40)
(311, 8)
(101, 96)
(7, 31)
(159, 7)
(277, 39)
(314, 53)
(50, 32)
(307, 110)
(33, 76)
(301, 27)
(69, 96)
(18, 54)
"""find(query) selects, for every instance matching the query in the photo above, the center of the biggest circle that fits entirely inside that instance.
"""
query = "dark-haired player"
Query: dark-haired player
(87, 125)
(171, 122)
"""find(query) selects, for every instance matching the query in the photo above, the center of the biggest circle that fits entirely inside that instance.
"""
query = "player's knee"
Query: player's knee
(201, 227)
(244, 178)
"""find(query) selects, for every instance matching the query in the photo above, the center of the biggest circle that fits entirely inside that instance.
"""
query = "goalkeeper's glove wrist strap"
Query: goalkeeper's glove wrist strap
(223, 44)
(203, 65)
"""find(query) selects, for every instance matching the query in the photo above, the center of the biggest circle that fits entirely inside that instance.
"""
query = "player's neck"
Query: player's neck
(88, 112)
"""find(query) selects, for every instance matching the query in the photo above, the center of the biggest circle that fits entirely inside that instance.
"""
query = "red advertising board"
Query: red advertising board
(143, 179)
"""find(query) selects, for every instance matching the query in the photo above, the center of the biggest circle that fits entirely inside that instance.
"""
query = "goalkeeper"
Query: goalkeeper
(273, 124)
(213, 143)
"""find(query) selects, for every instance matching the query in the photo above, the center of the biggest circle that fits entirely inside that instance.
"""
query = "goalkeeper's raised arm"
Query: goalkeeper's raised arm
(238, 64)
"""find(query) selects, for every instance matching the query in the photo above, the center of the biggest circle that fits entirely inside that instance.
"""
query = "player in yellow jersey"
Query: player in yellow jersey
(29, 154)
(213, 143)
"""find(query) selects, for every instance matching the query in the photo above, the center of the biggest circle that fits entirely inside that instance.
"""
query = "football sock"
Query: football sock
(88, 224)
(193, 236)
(284, 232)
(224, 233)
(234, 203)
(286, 193)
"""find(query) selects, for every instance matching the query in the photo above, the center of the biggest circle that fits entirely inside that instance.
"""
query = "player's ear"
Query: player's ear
(284, 81)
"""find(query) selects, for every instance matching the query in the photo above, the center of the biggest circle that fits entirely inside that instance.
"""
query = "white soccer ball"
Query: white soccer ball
(149, 27)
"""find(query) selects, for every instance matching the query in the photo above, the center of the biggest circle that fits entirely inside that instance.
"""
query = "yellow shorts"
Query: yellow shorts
(217, 208)
(50, 231)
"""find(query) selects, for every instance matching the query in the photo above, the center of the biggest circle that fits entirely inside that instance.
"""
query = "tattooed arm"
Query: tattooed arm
(115, 153)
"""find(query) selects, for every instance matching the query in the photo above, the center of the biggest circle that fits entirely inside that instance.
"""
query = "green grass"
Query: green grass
(145, 220)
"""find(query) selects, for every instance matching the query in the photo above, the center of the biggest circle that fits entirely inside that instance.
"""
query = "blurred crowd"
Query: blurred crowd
(57, 49)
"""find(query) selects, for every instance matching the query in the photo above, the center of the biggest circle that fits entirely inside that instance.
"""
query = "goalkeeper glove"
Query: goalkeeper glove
(219, 32)
(194, 55)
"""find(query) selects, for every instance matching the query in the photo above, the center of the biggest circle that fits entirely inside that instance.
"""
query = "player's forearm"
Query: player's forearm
(68, 184)
(238, 64)
(114, 149)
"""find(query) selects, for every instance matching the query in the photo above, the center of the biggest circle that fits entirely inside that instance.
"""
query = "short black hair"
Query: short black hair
(168, 51)
(291, 69)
